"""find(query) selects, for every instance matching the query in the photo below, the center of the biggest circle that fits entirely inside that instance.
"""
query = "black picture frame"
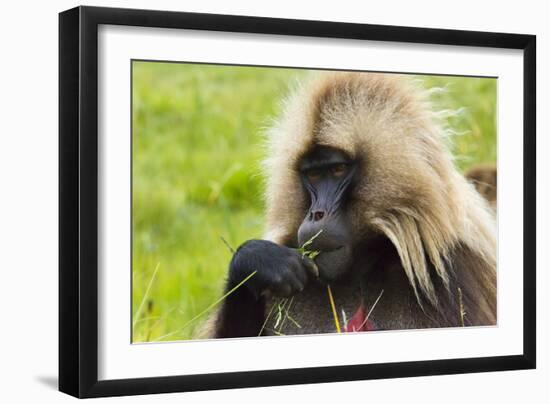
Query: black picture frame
(78, 200)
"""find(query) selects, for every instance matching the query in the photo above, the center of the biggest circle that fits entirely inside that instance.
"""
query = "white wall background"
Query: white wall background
(28, 200)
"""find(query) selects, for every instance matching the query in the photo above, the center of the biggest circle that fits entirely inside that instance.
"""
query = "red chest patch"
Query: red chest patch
(359, 322)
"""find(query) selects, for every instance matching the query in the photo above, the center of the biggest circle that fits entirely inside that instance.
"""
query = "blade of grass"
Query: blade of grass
(344, 318)
(285, 309)
(280, 307)
(371, 309)
(208, 308)
(275, 332)
(266, 319)
(147, 318)
(292, 320)
(145, 295)
(462, 310)
(334, 313)
(228, 245)
(306, 252)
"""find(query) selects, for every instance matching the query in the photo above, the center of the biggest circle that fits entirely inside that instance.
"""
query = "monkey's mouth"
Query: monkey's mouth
(333, 263)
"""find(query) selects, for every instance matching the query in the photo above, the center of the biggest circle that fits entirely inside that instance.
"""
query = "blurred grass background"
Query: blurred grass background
(196, 154)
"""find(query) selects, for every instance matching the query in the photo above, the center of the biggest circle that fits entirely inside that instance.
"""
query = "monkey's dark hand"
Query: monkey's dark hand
(280, 271)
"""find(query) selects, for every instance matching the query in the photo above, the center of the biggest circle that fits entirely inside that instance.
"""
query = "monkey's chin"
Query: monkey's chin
(334, 264)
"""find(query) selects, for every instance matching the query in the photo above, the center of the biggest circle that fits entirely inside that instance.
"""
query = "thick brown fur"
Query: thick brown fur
(423, 233)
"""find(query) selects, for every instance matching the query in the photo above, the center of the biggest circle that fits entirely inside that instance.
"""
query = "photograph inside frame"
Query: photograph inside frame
(274, 201)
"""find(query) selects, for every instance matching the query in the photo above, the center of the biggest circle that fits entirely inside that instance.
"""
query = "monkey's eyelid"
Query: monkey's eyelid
(314, 175)
(339, 169)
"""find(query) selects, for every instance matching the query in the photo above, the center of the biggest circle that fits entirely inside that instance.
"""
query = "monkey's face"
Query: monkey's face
(327, 174)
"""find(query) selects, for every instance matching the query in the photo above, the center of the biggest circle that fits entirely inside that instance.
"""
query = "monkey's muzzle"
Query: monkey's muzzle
(330, 237)
(333, 264)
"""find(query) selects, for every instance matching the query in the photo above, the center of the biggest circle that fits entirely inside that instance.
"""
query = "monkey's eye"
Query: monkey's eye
(313, 175)
(339, 170)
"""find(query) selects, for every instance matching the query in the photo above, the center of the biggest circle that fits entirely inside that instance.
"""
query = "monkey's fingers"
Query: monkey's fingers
(311, 266)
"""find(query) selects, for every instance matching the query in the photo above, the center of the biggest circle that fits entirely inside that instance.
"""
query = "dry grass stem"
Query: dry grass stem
(333, 307)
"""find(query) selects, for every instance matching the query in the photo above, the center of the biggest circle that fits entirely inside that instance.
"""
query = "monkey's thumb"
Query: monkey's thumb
(311, 266)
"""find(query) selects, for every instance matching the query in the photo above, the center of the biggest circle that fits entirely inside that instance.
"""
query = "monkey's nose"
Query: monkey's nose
(317, 215)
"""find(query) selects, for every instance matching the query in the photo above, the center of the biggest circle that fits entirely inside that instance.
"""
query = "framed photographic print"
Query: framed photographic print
(250, 201)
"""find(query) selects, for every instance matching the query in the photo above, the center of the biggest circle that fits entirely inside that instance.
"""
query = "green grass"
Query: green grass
(475, 125)
(196, 154)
